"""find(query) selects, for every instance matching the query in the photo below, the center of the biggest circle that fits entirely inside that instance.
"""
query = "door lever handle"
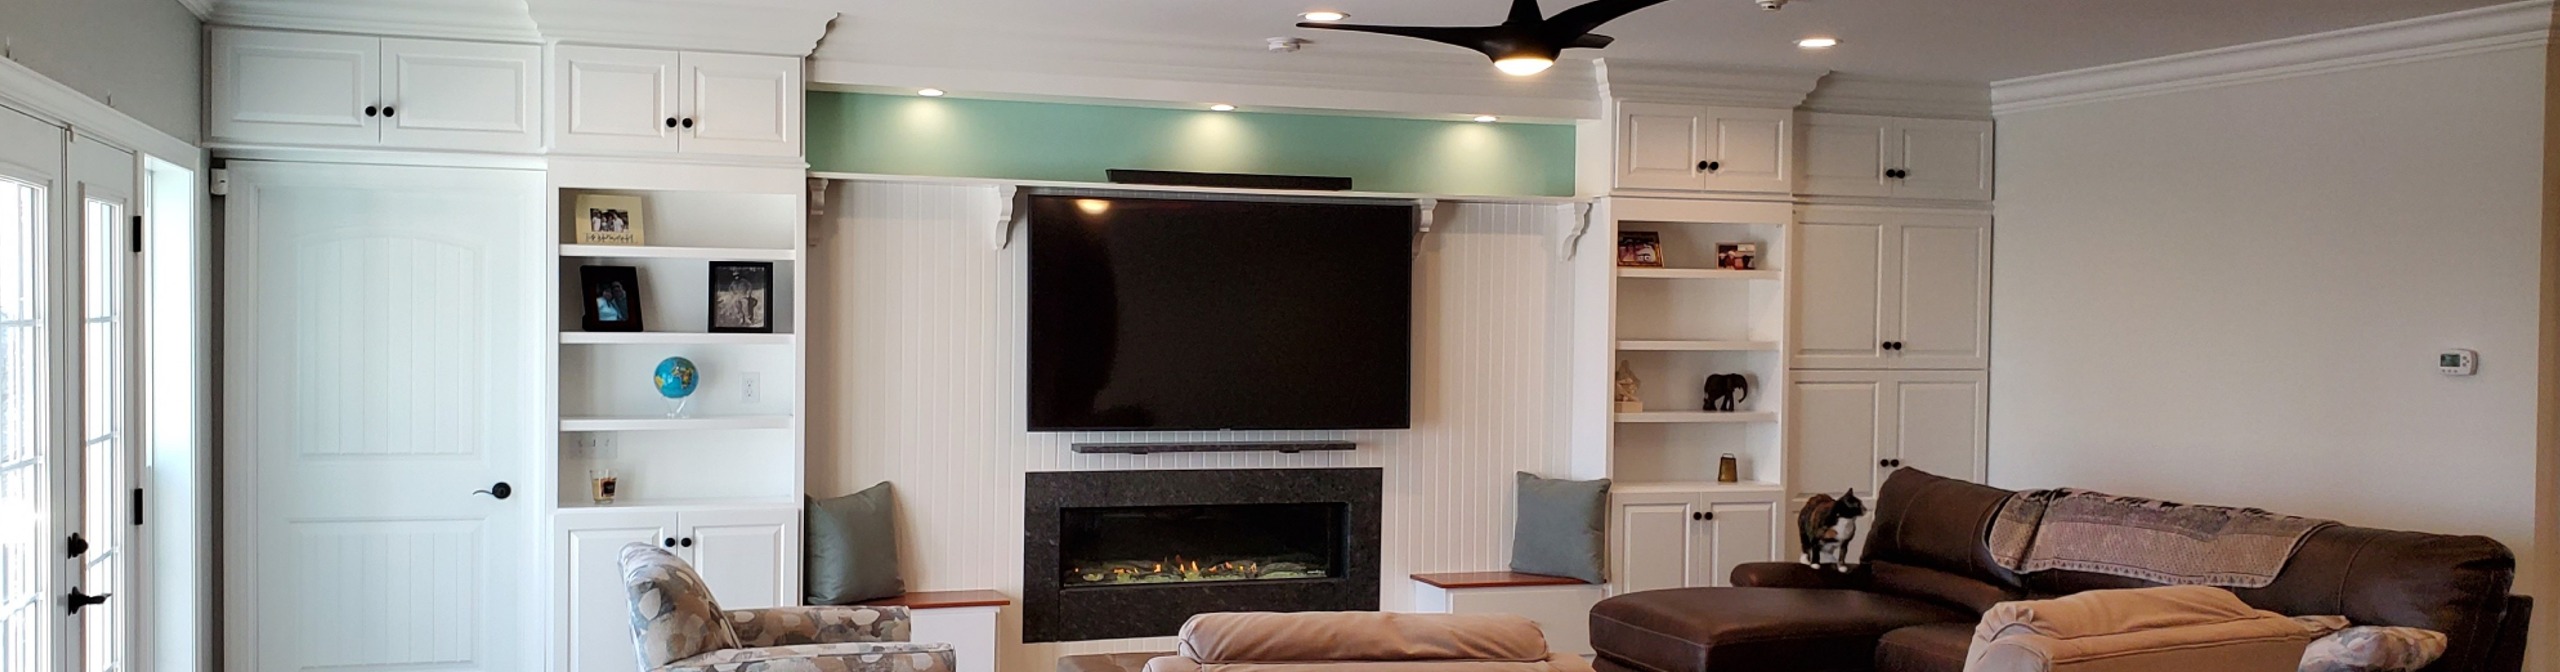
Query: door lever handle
(500, 491)
(79, 600)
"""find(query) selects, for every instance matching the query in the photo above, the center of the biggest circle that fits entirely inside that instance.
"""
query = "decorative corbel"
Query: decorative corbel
(1426, 211)
(1581, 225)
(1007, 203)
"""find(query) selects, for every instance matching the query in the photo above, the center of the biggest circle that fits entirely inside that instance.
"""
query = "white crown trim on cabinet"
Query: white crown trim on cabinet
(2487, 29)
(1694, 85)
(438, 20)
(1848, 94)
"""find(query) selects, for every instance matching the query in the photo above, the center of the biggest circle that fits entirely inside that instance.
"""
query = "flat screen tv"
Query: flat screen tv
(1161, 314)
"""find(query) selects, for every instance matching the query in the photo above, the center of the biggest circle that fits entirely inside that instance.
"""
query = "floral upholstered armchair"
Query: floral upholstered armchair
(679, 628)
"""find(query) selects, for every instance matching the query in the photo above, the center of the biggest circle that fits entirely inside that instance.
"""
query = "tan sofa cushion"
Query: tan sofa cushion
(2182, 628)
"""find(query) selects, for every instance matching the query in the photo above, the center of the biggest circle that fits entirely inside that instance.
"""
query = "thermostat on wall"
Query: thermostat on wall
(2458, 362)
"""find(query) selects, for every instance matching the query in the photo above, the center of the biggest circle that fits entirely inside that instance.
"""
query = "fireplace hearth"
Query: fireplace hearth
(1113, 554)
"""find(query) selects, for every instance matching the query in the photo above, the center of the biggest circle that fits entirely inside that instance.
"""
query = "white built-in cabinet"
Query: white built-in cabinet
(748, 557)
(1852, 429)
(1678, 147)
(1685, 538)
(1896, 157)
(1892, 288)
(290, 88)
(621, 101)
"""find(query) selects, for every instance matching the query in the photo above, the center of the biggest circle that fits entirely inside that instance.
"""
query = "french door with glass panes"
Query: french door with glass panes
(66, 471)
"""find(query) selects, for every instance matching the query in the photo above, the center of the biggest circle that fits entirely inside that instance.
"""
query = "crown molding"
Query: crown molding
(776, 27)
(203, 9)
(2487, 29)
(1673, 83)
(1847, 94)
(485, 20)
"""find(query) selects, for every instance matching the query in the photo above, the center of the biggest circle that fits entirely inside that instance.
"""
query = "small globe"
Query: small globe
(676, 378)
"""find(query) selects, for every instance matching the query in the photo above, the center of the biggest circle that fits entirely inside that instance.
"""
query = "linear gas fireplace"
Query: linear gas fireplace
(1112, 554)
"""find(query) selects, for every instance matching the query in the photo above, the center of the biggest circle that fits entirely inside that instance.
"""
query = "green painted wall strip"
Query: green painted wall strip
(903, 135)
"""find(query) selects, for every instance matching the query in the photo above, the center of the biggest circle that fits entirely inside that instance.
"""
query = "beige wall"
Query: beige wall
(2545, 576)
(142, 57)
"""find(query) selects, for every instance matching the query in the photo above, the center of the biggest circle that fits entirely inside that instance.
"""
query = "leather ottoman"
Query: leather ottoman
(1690, 629)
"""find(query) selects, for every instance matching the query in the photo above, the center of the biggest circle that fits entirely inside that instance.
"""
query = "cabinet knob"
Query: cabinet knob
(370, 110)
(670, 542)
(387, 111)
(671, 122)
(688, 122)
(1702, 515)
(687, 542)
(1710, 166)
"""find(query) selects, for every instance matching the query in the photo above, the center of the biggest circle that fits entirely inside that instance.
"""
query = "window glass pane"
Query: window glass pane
(22, 504)
(102, 477)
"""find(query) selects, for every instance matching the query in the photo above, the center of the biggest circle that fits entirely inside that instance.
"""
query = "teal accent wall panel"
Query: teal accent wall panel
(908, 135)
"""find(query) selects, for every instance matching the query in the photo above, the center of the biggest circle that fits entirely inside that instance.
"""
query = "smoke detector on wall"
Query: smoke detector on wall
(1286, 45)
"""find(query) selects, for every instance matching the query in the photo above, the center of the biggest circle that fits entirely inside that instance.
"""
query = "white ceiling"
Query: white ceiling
(1970, 41)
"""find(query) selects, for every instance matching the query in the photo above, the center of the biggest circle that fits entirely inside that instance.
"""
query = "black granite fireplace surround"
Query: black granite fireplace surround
(1113, 554)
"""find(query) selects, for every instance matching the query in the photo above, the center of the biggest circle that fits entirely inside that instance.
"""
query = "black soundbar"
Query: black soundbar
(1225, 447)
(1173, 178)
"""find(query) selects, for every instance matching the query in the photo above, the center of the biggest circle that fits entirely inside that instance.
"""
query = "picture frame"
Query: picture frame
(609, 219)
(610, 299)
(1640, 249)
(1738, 256)
(741, 297)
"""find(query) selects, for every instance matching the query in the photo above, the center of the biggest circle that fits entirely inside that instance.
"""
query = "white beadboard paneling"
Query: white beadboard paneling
(916, 378)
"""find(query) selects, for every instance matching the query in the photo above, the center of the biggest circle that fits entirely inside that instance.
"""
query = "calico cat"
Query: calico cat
(1827, 525)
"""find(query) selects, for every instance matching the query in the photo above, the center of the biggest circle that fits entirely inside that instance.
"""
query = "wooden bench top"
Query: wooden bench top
(944, 599)
(1455, 580)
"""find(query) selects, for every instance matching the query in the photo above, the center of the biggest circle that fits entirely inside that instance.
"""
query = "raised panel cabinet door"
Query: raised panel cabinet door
(294, 88)
(742, 105)
(1846, 155)
(1838, 421)
(749, 557)
(593, 603)
(1944, 159)
(1938, 422)
(364, 435)
(462, 95)
(1738, 531)
(1751, 149)
(615, 101)
(1840, 293)
(1942, 307)
(1659, 146)
(1653, 541)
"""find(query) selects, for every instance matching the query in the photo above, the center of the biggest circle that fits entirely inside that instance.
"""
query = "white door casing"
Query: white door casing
(380, 355)
(462, 95)
(303, 88)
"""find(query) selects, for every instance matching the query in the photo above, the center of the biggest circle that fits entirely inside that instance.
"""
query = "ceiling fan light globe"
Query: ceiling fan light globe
(1523, 66)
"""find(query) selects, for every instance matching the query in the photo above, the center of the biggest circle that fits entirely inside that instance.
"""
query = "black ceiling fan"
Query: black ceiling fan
(1527, 42)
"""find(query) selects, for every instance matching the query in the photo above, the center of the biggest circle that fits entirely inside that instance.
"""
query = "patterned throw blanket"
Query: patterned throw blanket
(2148, 539)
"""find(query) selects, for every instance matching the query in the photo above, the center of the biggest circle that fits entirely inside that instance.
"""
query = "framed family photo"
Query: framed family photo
(741, 297)
(1640, 249)
(611, 298)
(607, 219)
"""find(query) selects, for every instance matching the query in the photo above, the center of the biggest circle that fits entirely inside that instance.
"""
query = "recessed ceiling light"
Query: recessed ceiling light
(1818, 43)
(1222, 107)
(1487, 118)
(1323, 16)
(930, 93)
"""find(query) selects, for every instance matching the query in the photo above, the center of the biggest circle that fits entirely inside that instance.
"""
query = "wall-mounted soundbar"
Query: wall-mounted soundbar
(1222, 447)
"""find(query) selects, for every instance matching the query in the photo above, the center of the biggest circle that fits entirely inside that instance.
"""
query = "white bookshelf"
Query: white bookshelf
(673, 252)
(671, 338)
(673, 424)
(1697, 417)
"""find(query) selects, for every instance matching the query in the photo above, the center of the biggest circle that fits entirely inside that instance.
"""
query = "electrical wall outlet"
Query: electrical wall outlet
(593, 446)
(751, 388)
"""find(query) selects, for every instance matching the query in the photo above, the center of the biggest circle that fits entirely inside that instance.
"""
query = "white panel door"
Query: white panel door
(35, 389)
(1943, 159)
(1940, 282)
(1738, 531)
(381, 367)
(1846, 155)
(296, 88)
(1938, 422)
(1656, 544)
(1749, 150)
(749, 557)
(1659, 146)
(594, 606)
(614, 100)
(461, 95)
(1840, 293)
(739, 104)
(1838, 421)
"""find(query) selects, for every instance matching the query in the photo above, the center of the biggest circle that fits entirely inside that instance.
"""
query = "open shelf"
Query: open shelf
(688, 504)
(1698, 346)
(669, 252)
(1697, 274)
(669, 338)
(1692, 486)
(661, 424)
(1697, 417)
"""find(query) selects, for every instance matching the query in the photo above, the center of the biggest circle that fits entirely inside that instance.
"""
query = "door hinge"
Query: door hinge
(218, 181)
(137, 507)
(137, 234)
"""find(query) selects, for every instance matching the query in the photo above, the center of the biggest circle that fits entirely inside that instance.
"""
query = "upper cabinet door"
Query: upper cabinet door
(744, 105)
(1660, 146)
(1837, 436)
(614, 100)
(461, 95)
(1840, 273)
(1941, 281)
(1938, 423)
(1847, 155)
(1944, 159)
(294, 88)
(1748, 150)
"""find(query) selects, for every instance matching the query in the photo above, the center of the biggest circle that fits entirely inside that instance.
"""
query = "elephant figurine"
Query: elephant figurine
(1724, 390)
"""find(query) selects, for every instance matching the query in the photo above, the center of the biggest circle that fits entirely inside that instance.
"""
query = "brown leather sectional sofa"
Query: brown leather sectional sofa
(1927, 576)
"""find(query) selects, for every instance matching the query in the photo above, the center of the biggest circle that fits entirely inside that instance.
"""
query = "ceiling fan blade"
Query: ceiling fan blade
(1471, 38)
(1574, 23)
(1526, 12)
(1591, 41)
